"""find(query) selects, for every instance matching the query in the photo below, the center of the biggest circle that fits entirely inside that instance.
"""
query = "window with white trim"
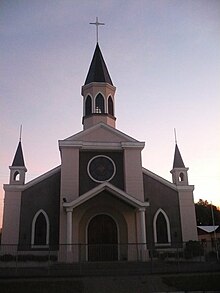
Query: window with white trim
(161, 225)
(40, 229)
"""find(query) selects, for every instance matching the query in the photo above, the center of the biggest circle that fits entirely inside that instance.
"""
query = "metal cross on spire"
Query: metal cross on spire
(97, 23)
(20, 134)
(175, 135)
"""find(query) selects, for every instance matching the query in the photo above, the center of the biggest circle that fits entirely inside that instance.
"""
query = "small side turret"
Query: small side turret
(179, 171)
(18, 169)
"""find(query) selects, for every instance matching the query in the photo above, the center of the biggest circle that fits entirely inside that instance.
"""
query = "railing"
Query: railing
(80, 259)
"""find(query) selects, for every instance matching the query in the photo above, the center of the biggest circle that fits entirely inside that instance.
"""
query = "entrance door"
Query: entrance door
(102, 239)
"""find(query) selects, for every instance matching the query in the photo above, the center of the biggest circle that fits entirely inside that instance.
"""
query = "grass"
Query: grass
(42, 286)
(209, 282)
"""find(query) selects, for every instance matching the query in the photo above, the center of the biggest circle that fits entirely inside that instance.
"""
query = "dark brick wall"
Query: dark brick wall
(44, 195)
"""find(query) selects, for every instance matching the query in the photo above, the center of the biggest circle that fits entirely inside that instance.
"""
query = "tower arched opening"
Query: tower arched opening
(88, 106)
(110, 106)
(99, 104)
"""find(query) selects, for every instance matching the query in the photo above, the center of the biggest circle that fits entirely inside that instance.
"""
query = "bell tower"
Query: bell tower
(179, 171)
(186, 200)
(98, 94)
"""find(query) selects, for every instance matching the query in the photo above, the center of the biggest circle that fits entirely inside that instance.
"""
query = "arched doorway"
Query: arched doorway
(102, 239)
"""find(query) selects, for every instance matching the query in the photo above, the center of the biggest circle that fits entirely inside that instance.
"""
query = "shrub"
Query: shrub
(193, 249)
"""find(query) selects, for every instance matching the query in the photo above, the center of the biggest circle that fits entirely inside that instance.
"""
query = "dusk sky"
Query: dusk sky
(163, 57)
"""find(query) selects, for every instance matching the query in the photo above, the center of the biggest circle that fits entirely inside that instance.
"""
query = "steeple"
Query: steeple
(179, 171)
(98, 71)
(18, 158)
(178, 161)
(18, 169)
(98, 93)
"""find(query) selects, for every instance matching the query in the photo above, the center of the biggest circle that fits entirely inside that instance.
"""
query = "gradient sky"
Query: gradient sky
(163, 57)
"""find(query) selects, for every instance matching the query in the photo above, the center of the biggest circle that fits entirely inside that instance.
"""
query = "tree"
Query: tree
(204, 213)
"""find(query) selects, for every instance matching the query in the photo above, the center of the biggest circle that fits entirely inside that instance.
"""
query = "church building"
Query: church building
(100, 204)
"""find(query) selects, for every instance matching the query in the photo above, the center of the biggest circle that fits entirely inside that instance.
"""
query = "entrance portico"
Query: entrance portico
(106, 208)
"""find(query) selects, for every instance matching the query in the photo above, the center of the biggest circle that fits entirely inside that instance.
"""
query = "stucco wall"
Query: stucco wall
(166, 198)
(44, 195)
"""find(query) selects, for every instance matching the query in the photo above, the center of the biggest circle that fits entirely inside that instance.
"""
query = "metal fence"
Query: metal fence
(83, 259)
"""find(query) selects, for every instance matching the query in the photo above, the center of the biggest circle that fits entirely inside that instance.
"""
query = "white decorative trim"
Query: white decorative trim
(33, 229)
(79, 136)
(155, 227)
(110, 97)
(100, 145)
(104, 99)
(101, 156)
(158, 178)
(98, 84)
(84, 108)
(112, 189)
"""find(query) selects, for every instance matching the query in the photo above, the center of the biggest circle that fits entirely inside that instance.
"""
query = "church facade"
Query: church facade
(100, 204)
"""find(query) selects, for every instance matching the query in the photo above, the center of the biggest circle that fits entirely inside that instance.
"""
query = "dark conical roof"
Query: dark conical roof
(98, 71)
(19, 158)
(178, 161)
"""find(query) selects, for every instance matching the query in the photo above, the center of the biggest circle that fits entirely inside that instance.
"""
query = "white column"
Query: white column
(141, 232)
(69, 229)
(141, 212)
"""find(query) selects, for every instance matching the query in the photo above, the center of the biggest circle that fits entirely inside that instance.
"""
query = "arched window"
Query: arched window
(161, 228)
(110, 106)
(40, 229)
(88, 106)
(16, 176)
(181, 177)
(99, 104)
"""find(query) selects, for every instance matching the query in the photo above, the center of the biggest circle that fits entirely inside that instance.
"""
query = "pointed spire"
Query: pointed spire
(98, 71)
(18, 158)
(178, 161)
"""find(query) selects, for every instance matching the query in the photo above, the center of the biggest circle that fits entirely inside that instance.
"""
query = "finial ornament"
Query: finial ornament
(175, 136)
(20, 132)
(97, 23)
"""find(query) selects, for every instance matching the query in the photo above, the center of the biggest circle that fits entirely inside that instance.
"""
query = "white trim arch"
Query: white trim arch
(155, 227)
(98, 104)
(85, 105)
(107, 104)
(41, 211)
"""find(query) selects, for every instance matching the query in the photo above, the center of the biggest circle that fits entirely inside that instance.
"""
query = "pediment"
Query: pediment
(114, 191)
(101, 133)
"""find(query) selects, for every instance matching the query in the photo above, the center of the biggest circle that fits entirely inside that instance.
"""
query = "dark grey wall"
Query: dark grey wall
(44, 195)
(86, 183)
(164, 197)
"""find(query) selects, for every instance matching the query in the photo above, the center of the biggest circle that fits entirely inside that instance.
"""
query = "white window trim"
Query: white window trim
(33, 230)
(155, 228)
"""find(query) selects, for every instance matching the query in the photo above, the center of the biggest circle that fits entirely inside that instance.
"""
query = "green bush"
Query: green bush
(193, 249)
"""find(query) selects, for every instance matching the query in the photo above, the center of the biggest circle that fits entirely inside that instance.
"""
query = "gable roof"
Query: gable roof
(98, 71)
(18, 158)
(118, 193)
